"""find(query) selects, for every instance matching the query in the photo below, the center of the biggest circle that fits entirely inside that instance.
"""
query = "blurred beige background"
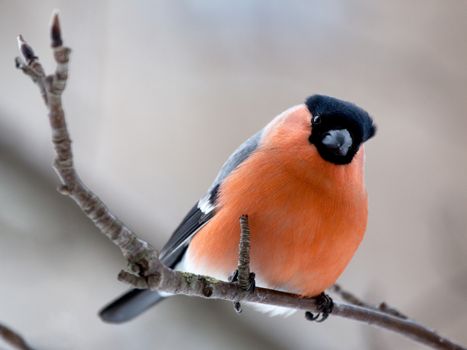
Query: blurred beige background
(161, 92)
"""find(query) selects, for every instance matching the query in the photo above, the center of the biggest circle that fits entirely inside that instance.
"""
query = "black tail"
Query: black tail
(129, 305)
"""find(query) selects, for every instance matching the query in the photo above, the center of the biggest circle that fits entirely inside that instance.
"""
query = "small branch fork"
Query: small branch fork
(145, 269)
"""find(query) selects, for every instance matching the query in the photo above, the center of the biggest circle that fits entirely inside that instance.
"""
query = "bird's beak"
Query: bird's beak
(339, 141)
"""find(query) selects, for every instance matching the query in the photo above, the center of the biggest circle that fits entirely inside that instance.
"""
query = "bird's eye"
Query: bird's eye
(316, 120)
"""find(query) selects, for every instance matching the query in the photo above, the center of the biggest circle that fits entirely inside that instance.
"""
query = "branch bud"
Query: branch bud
(26, 50)
(55, 31)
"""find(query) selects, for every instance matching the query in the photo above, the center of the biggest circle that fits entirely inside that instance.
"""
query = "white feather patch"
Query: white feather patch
(205, 205)
(273, 310)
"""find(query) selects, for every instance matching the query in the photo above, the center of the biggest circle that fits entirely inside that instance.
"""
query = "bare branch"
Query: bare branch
(244, 279)
(146, 271)
(352, 299)
(139, 253)
(13, 339)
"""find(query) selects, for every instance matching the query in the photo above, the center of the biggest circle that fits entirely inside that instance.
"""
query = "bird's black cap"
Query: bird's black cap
(330, 113)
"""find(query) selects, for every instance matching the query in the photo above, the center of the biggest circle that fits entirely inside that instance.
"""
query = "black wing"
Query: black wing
(173, 250)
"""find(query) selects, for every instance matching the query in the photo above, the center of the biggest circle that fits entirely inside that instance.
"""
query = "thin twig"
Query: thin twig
(13, 339)
(244, 280)
(243, 276)
(350, 298)
(138, 252)
(146, 269)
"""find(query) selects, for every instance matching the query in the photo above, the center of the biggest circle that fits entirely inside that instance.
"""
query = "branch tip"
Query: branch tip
(133, 280)
(55, 30)
(25, 49)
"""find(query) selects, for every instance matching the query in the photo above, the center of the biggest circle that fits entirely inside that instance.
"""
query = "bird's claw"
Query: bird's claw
(233, 278)
(324, 304)
(252, 282)
(251, 279)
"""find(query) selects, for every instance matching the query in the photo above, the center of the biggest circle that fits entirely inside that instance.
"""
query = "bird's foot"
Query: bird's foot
(251, 281)
(324, 304)
(250, 287)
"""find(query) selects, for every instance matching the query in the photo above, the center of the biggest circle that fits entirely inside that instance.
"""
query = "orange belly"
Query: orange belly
(302, 236)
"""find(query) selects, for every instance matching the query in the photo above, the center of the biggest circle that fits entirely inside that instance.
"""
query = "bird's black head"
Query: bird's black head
(338, 128)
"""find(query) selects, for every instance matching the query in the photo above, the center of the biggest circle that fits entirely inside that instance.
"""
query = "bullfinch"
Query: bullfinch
(301, 182)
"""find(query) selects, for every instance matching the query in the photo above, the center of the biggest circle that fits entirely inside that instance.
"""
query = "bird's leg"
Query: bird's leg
(324, 304)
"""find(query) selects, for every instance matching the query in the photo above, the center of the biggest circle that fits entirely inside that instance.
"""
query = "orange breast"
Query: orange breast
(307, 216)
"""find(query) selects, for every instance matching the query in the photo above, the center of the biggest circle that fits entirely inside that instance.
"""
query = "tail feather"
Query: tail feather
(129, 305)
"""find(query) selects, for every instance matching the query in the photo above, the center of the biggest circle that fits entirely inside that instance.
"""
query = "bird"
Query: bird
(301, 182)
